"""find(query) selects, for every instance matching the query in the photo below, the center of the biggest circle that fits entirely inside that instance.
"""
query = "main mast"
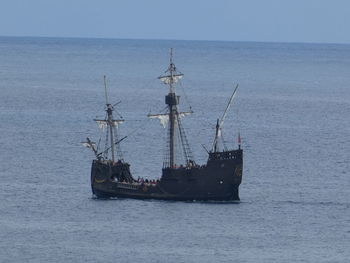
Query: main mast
(110, 120)
(172, 100)
(173, 117)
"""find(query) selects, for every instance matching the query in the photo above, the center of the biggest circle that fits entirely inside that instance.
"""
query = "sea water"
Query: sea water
(292, 112)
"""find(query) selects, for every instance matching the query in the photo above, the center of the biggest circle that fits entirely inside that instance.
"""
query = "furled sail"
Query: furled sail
(183, 114)
(90, 145)
(102, 124)
(164, 118)
(171, 78)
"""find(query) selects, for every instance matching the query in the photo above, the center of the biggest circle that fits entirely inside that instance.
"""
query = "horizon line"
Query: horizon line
(173, 39)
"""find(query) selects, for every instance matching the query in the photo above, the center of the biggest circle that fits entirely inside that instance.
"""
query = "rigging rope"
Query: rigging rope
(186, 98)
(184, 142)
(141, 126)
(117, 146)
(105, 153)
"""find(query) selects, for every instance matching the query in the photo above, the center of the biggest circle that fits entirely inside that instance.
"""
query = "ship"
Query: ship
(181, 180)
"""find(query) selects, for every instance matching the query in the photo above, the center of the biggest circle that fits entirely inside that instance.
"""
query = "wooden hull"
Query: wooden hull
(218, 180)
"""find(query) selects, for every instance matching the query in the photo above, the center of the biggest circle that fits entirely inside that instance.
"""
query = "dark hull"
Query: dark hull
(218, 180)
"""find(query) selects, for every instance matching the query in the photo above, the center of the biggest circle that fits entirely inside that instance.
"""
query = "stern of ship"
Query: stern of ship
(105, 174)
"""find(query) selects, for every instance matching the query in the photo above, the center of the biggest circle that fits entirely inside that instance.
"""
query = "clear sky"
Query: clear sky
(324, 21)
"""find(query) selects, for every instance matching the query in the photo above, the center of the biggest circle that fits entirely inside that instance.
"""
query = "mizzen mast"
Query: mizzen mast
(220, 123)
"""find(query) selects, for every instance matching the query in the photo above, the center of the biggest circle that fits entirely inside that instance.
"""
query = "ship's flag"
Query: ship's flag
(239, 138)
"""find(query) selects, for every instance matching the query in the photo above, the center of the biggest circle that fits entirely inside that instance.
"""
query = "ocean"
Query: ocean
(292, 111)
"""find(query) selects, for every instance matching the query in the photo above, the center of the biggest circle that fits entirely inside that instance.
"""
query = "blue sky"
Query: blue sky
(321, 21)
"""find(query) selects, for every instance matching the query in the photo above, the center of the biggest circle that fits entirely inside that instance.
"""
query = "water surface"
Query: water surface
(292, 112)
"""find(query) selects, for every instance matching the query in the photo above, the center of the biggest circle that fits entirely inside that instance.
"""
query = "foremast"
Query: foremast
(110, 125)
(109, 111)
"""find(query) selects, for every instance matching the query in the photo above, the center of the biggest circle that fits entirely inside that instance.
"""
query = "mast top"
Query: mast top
(171, 76)
(106, 92)
(171, 56)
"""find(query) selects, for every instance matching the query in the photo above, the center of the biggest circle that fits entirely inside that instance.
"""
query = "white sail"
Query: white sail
(183, 114)
(163, 118)
(102, 124)
(219, 133)
(171, 79)
(90, 145)
(117, 122)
